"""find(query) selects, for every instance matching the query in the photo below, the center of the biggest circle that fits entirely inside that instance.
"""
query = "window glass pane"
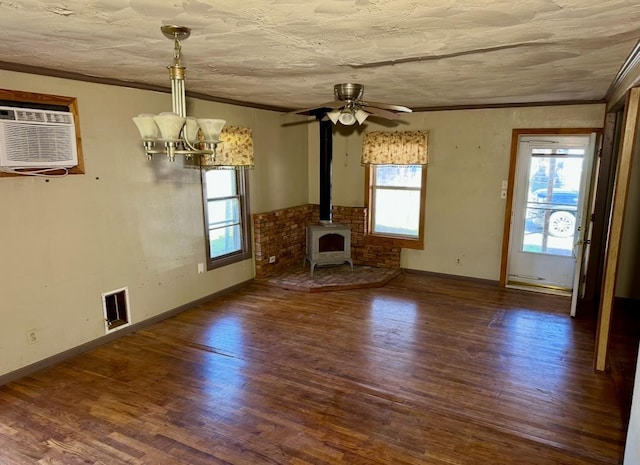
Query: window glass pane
(554, 172)
(226, 211)
(550, 219)
(220, 183)
(223, 212)
(397, 212)
(400, 176)
(224, 240)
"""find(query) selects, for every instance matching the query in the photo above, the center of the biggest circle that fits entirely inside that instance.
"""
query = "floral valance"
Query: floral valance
(395, 148)
(235, 149)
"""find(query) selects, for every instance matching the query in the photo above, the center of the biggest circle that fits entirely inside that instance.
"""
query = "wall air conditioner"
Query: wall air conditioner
(32, 138)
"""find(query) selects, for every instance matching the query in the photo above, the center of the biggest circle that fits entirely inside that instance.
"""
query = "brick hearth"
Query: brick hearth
(282, 233)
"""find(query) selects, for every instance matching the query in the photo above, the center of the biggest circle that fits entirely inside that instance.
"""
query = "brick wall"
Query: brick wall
(362, 252)
(282, 233)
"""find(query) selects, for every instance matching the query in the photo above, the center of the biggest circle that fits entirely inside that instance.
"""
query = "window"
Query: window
(396, 203)
(226, 212)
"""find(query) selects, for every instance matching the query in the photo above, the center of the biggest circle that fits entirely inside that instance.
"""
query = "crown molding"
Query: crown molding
(628, 76)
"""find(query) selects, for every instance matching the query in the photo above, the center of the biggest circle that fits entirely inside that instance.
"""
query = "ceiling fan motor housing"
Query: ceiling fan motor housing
(348, 91)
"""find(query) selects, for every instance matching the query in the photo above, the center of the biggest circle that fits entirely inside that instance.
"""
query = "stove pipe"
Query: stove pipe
(326, 155)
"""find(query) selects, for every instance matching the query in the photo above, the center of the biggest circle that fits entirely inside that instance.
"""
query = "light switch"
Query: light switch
(505, 185)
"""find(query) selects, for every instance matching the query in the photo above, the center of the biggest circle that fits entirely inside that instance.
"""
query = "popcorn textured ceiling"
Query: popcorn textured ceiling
(289, 53)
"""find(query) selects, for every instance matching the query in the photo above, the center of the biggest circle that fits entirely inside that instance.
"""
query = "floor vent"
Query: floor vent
(116, 309)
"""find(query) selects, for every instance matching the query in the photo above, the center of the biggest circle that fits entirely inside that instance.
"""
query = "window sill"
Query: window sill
(394, 241)
(225, 260)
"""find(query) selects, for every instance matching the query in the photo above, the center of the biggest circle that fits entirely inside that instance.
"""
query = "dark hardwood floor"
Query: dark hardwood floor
(425, 370)
(623, 351)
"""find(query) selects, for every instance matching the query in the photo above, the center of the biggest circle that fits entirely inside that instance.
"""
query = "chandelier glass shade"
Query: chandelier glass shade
(174, 133)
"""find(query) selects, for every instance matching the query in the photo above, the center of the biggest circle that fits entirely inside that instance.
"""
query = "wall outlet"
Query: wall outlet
(503, 194)
(32, 336)
(200, 268)
(458, 261)
(272, 259)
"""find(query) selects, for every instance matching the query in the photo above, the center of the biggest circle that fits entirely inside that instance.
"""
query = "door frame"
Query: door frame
(621, 186)
(588, 303)
(515, 141)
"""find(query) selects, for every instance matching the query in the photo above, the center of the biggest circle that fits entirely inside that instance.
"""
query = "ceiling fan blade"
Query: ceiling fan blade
(381, 113)
(335, 105)
(387, 106)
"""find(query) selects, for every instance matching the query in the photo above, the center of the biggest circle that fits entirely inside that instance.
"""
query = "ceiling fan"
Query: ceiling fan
(349, 108)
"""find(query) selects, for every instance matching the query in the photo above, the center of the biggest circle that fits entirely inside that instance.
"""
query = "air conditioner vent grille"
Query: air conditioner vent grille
(31, 138)
(33, 142)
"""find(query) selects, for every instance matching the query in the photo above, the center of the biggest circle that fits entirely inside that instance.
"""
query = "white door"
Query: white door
(583, 224)
(550, 187)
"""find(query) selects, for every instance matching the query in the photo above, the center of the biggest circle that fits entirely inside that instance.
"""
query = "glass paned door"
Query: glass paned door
(547, 210)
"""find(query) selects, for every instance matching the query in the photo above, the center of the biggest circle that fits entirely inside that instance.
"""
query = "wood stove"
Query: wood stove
(328, 244)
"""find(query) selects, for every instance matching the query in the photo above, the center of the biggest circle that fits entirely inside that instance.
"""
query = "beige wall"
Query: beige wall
(469, 157)
(130, 222)
(628, 277)
(126, 222)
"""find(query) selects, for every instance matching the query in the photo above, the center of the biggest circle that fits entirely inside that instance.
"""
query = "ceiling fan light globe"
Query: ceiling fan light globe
(333, 116)
(361, 115)
(347, 118)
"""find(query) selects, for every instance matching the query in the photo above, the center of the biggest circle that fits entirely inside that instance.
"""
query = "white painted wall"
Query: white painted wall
(126, 222)
(469, 157)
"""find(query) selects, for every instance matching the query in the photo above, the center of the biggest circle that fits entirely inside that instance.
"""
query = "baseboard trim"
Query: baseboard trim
(490, 282)
(87, 346)
(551, 290)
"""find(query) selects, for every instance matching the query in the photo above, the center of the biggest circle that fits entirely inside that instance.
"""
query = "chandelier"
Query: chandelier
(174, 133)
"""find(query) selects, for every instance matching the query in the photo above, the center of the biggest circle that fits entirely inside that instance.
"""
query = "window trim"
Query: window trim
(387, 239)
(242, 193)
